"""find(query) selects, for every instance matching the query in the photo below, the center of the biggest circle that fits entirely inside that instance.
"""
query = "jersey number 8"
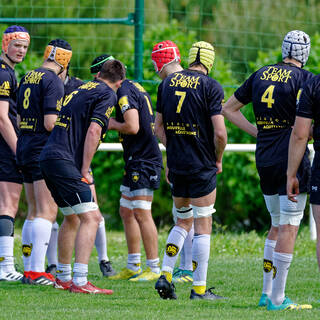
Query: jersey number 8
(26, 100)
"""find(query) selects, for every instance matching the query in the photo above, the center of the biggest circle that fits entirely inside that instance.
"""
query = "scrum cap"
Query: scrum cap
(296, 45)
(14, 33)
(59, 51)
(98, 62)
(202, 52)
(164, 53)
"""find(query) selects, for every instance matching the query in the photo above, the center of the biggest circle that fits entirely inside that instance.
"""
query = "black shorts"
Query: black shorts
(65, 182)
(315, 180)
(142, 175)
(273, 179)
(31, 172)
(9, 170)
(195, 185)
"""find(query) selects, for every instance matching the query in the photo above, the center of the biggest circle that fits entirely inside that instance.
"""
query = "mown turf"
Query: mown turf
(235, 270)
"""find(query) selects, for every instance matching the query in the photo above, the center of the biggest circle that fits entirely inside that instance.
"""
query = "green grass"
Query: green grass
(235, 269)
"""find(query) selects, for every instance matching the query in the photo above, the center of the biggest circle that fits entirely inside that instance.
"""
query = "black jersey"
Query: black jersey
(40, 93)
(143, 146)
(187, 100)
(71, 84)
(8, 92)
(91, 102)
(309, 107)
(273, 91)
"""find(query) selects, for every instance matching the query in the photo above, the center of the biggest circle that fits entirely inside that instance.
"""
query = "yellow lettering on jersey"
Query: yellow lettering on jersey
(5, 89)
(109, 111)
(276, 74)
(33, 77)
(183, 81)
(63, 121)
(139, 86)
(89, 85)
(59, 104)
(3, 66)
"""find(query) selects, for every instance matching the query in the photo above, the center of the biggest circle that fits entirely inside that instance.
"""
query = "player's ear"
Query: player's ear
(97, 75)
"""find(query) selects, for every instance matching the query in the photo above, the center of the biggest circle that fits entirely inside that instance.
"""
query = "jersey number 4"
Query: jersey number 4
(181, 95)
(267, 96)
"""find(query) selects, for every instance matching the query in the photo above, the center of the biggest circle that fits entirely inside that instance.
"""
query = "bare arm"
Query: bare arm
(231, 110)
(6, 128)
(90, 147)
(49, 121)
(159, 129)
(220, 139)
(130, 124)
(297, 146)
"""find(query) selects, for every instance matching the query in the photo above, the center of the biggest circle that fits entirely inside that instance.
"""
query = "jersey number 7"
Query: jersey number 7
(182, 95)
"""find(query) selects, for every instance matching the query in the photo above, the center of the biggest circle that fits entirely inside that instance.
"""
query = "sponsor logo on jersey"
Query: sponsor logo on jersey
(194, 265)
(183, 81)
(171, 250)
(89, 85)
(26, 250)
(135, 176)
(33, 77)
(5, 89)
(109, 111)
(276, 74)
(267, 265)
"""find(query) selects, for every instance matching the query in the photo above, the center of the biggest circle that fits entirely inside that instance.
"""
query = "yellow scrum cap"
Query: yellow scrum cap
(202, 52)
(59, 51)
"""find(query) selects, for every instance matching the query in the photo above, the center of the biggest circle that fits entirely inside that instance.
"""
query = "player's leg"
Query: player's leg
(9, 201)
(316, 215)
(52, 251)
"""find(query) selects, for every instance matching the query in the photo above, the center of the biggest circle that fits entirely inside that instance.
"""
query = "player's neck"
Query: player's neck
(292, 61)
(7, 60)
(170, 68)
(199, 67)
(50, 65)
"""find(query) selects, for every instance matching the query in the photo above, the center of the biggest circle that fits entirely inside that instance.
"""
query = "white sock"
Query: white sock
(186, 252)
(269, 246)
(27, 244)
(154, 265)
(101, 242)
(134, 261)
(64, 272)
(6, 254)
(41, 231)
(281, 263)
(200, 257)
(174, 244)
(80, 273)
(52, 255)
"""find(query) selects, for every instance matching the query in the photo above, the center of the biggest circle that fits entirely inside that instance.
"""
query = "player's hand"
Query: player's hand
(87, 176)
(292, 188)
(111, 123)
(310, 133)
(167, 174)
(219, 166)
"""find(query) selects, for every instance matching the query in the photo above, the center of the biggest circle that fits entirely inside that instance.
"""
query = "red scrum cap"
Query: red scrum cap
(164, 53)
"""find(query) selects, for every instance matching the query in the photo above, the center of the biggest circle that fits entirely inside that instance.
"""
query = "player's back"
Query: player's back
(187, 100)
(87, 103)
(142, 146)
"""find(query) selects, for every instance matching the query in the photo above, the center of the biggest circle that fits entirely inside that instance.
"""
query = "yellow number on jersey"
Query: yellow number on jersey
(69, 97)
(26, 101)
(149, 105)
(267, 96)
(182, 95)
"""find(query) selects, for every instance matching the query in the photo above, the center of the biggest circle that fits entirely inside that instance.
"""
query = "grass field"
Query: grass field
(235, 269)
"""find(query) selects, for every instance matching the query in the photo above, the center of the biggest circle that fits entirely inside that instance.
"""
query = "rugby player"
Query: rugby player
(143, 162)
(65, 161)
(273, 90)
(39, 102)
(189, 124)
(15, 42)
(166, 59)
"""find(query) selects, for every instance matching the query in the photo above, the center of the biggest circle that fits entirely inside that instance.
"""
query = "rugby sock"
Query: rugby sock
(200, 258)
(154, 265)
(173, 247)
(101, 241)
(269, 246)
(64, 272)
(186, 252)
(27, 244)
(53, 244)
(80, 273)
(281, 264)
(6, 254)
(134, 261)
(41, 231)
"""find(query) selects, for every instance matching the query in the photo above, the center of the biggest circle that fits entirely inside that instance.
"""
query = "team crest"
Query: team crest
(267, 265)
(135, 176)
(2, 259)
(26, 250)
(171, 250)
(194, 265)
(274, 272)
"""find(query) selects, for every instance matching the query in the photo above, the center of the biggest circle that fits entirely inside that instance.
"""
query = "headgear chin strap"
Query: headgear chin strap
(58, 51)
(14, 33)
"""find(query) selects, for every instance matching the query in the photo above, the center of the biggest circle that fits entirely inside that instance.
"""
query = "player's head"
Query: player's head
(113, 71)
(98, 62)
(296, 45)
(164, 53)
(58, 51)
(202, 53)
(15, 36)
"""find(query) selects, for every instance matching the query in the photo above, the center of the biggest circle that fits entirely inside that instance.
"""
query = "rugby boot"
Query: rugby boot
(287, 304)
(165, 288)
(40, 278)
(147, 275)
(126, 274)
(208, 295)
(106, 268)
(88, 288)
(62, 285)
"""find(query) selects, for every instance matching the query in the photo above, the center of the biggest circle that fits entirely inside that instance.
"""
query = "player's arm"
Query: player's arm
(6, 128)
(231, 110)
(130, 124)
(297, 146)
(49, 121)
(159, 129)
(91, 144)
(220, 138)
